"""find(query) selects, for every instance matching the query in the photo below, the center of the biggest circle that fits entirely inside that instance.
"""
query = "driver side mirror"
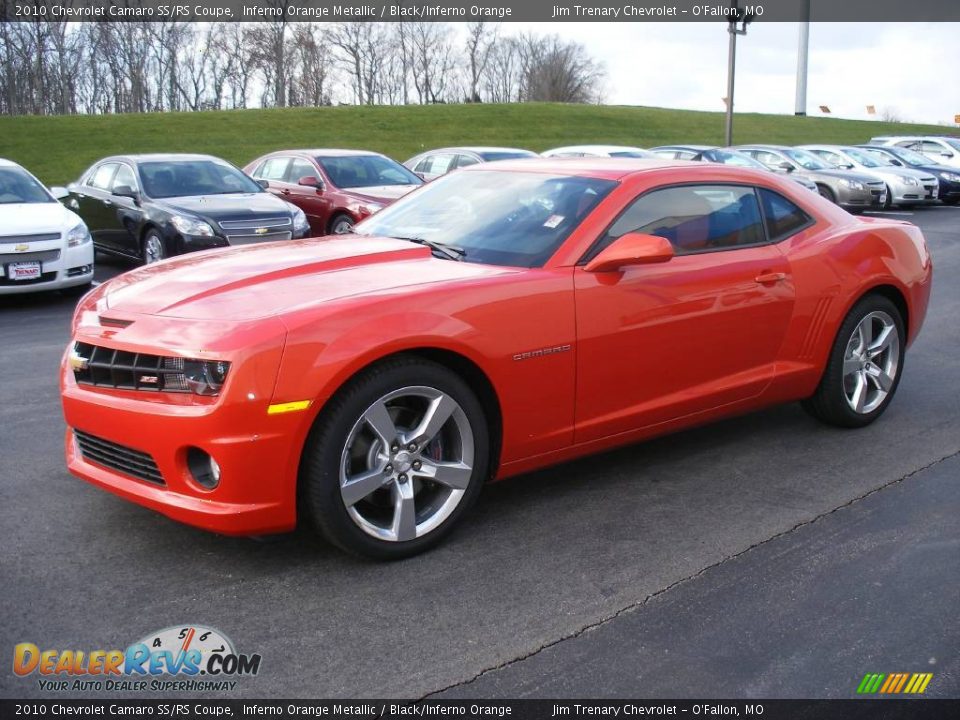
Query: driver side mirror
(631, 249)
(786, 167)
(312, 181)
(127, 192)
(846, 166)
(265, 184)
(60, 193)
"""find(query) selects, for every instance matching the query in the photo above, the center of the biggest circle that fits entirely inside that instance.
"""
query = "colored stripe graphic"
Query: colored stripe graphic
(894, 683)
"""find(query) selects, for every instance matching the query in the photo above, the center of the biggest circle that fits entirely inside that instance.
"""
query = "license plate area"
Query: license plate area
(23, 271)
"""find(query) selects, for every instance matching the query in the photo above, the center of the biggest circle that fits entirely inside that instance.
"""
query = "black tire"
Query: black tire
(152, 239)
(889, 203)
(338, 221)
(829, 403)
(826, 192)
(952, 201)
(320, 468)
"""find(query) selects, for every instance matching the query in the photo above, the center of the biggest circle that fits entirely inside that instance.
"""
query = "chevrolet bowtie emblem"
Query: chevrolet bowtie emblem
(261, 231)
(77, 361)
(22, 247)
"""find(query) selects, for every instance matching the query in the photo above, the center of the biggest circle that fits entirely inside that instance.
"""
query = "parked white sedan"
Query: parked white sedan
(43, 245)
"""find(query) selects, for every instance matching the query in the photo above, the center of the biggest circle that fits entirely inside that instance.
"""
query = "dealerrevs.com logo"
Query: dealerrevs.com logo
(185, 658)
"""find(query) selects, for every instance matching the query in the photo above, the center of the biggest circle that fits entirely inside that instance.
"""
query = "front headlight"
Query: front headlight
(300, 222)
(201, 377)
(950, 177)
(191, 226)
(910, 181)
(78, 236)
(853, 184)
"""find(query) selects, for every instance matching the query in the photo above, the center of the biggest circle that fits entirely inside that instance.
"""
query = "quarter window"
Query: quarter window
(695, 218)
(466, 161)
(783, 217)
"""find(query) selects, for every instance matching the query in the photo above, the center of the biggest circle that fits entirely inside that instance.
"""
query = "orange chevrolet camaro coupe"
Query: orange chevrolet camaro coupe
(497, 320)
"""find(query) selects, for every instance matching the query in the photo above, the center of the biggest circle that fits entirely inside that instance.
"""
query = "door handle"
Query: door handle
(108, 203)
(769, 278)
(285, 191)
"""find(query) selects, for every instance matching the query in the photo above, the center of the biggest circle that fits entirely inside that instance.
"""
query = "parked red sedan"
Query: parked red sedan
(503, 318)
(335, 188)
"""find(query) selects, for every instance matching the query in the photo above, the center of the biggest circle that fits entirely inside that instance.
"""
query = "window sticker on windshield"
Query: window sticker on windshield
(553, 221)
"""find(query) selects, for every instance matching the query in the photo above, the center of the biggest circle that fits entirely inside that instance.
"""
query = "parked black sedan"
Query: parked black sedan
(948, 175)
(154, 206)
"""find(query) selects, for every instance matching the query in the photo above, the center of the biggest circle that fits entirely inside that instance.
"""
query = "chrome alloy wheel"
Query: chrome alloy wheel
(342, 226)
(871, 362)
(407, 463)
(152, 249)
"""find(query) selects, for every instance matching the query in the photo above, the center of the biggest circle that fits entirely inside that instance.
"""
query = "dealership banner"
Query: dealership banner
(525, 709)
(478, 10)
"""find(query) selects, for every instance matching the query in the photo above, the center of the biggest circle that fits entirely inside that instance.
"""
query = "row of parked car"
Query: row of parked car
(148, 207)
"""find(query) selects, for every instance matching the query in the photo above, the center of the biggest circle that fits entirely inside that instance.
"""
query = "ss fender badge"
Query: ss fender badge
(542, 352)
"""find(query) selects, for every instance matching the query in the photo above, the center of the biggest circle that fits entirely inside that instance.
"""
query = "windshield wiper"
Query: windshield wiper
(451, 252)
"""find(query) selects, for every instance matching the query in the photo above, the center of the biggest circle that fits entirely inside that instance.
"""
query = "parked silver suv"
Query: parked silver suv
(850, 190)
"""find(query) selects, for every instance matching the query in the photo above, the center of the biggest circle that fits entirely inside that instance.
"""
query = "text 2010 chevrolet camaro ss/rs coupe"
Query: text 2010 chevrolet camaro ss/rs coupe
(498, 320)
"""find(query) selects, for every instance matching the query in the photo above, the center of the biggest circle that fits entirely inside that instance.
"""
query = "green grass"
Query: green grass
(57, 149)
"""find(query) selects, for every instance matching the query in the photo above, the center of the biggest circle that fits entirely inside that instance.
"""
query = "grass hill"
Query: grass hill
(57, 149)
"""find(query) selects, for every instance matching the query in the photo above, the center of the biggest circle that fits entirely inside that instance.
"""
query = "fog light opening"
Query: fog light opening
(203, 468)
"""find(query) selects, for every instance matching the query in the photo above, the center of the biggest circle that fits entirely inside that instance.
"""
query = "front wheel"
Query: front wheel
(864, 367)
(396, 459)
(153, 250)
(341, 224)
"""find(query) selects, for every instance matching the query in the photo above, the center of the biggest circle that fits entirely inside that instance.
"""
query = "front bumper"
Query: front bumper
(852, 199)
(902, 194)
(258, 453)
(60, 267)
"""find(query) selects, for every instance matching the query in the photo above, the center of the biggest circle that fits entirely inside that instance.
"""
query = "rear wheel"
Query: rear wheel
(864, 367)
(396, 459)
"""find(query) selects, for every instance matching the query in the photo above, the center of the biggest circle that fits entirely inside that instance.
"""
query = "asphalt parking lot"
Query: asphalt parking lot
(765, 556)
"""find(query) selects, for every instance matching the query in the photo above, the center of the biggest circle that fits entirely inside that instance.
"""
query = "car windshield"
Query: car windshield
(18, 186)
(356, 171)
(910, 157)
(807, 159)
(496, 218)
(866, 159)
(955, 144)
(494, 155)
(730, 157)
(184, 178)
(631, 154)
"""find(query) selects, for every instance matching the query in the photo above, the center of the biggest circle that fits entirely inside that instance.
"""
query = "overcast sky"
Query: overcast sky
(912, 69)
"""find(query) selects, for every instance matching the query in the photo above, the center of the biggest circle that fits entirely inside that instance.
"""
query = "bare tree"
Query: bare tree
(481, 40)
(553, 69)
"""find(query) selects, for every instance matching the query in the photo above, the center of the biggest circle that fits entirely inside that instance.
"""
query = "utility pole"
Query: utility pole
(736, 17)
(800, 108)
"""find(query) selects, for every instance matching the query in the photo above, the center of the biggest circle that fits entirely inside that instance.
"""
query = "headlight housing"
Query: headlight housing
(191, 226)
(201, 377)
(853, 184)
(910, 181)
(950, 177)
(78, 236)
(300, 222)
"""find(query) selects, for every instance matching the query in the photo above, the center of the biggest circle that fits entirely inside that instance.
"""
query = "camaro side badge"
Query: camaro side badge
(542, 352)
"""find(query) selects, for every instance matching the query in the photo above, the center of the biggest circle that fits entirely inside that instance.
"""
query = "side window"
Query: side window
(124, 177)
(422, 166)
(695, 218)
(441, 165)
(273, 169)
(685, 155)
(668, 154)
(466, 161)
(103, 175)
(831, 157)
(300, 168)
(783, 217)
(767, 158)
(934, 150)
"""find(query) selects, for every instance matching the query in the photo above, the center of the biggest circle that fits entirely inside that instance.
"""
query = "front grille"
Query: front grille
(879, 185)
(44, 278)
(105, 367)
(248, 239)
(135, 463)
(39, 256)
(254, 223)
(42, 237)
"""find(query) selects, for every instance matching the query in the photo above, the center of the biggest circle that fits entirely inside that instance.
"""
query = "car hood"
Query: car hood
(842, 174)
(230, 206)
(35, 218)
(381, 193)
(270, 279)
